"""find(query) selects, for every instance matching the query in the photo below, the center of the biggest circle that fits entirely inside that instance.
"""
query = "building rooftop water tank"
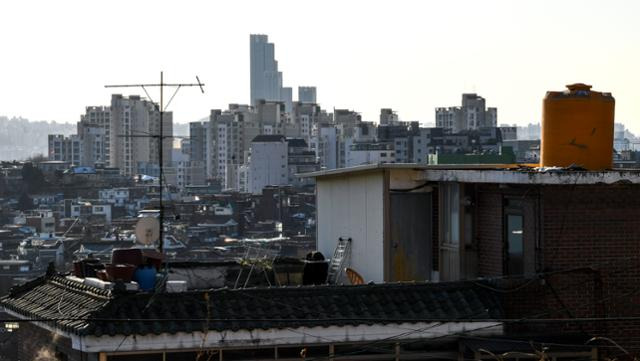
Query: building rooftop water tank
(577, 128)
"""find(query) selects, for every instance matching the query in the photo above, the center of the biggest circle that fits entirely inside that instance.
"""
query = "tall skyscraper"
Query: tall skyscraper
(266, 80)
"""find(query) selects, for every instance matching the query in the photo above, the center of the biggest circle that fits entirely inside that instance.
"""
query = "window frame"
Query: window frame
(513, 207)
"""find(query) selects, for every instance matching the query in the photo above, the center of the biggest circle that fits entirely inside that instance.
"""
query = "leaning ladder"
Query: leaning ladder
(341, 257)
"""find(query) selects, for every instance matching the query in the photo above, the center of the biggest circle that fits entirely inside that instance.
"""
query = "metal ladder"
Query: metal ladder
(340, 259)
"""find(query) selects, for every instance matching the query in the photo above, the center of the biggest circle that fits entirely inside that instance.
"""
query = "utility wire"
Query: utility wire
(333, 319)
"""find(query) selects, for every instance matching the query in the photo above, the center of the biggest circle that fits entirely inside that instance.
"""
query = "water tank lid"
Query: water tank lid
(578, 86)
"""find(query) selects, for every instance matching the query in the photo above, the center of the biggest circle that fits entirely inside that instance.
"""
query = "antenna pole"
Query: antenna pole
(160, 160)
(160, 137)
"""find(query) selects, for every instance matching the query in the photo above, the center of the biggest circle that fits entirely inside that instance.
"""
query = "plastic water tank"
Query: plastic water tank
(146, 277)
(577, 128)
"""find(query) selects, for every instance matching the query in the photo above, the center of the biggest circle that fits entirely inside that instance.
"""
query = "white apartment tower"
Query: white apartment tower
(133, 123)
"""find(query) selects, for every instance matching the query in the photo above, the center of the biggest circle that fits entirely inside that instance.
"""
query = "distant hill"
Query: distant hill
(21, 138)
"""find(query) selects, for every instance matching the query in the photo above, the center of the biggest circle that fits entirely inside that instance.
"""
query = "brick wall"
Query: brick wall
(488, 214)
(589, 254)
(596, 227)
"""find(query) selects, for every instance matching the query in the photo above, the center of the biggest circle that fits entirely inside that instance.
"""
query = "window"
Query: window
(451, 213)
(450, 262)
(515, 244)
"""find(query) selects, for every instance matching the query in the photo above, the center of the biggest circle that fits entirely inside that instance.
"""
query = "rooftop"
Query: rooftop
(80, 309)
(495, 173)
(269, 138)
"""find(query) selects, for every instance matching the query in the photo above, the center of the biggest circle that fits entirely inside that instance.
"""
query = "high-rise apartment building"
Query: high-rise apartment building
(231, 132)
(94, 132)
(286, 97)
(230, 135)
(300, 160)
(472, 115)
(198, 141)
(134, 122)
(65, 149)
(307, 94)
(327, 146)
(268, 162)
(123, 135)
(388, 116)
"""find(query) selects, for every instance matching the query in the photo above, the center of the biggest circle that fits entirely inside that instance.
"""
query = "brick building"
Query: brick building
(559, 247)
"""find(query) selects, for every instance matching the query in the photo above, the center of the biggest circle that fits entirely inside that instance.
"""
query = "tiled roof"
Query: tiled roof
(57, 298)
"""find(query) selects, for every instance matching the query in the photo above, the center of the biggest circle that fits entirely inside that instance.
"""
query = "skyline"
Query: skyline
(411, 57)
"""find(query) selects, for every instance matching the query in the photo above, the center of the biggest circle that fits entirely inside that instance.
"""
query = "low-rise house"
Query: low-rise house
(14, 272)
(89, 210)
(42, 221)
(559, 243)
(74, 320)
(115, 196)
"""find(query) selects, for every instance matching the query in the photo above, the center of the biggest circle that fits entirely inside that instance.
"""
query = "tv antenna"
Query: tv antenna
(160, 137)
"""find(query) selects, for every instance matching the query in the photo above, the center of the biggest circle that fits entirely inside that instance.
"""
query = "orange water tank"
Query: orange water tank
(577, 128)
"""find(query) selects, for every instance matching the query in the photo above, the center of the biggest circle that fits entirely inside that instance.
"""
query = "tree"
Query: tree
(36, 158)
(33, 178)
(25, 202)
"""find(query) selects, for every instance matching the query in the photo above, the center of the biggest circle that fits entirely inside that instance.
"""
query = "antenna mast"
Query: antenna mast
(161, 135)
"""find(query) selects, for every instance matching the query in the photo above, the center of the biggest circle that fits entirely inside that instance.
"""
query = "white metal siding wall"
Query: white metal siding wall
(353, 207)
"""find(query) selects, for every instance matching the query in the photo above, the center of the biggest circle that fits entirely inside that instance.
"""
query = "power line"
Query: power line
(332, 319)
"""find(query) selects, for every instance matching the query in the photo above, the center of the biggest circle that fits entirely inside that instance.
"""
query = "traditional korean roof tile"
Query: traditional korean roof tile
(77, 308)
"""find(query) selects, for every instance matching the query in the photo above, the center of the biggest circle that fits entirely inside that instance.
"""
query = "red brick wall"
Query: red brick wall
(597, 227)
(590, 256)
(489, 230)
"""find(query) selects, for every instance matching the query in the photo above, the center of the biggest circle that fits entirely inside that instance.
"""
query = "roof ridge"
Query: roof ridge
(80, 287)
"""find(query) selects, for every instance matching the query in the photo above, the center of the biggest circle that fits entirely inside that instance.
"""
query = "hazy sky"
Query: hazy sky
(411, 56)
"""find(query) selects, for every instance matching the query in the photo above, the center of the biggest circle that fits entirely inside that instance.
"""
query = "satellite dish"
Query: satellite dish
(147, 230)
